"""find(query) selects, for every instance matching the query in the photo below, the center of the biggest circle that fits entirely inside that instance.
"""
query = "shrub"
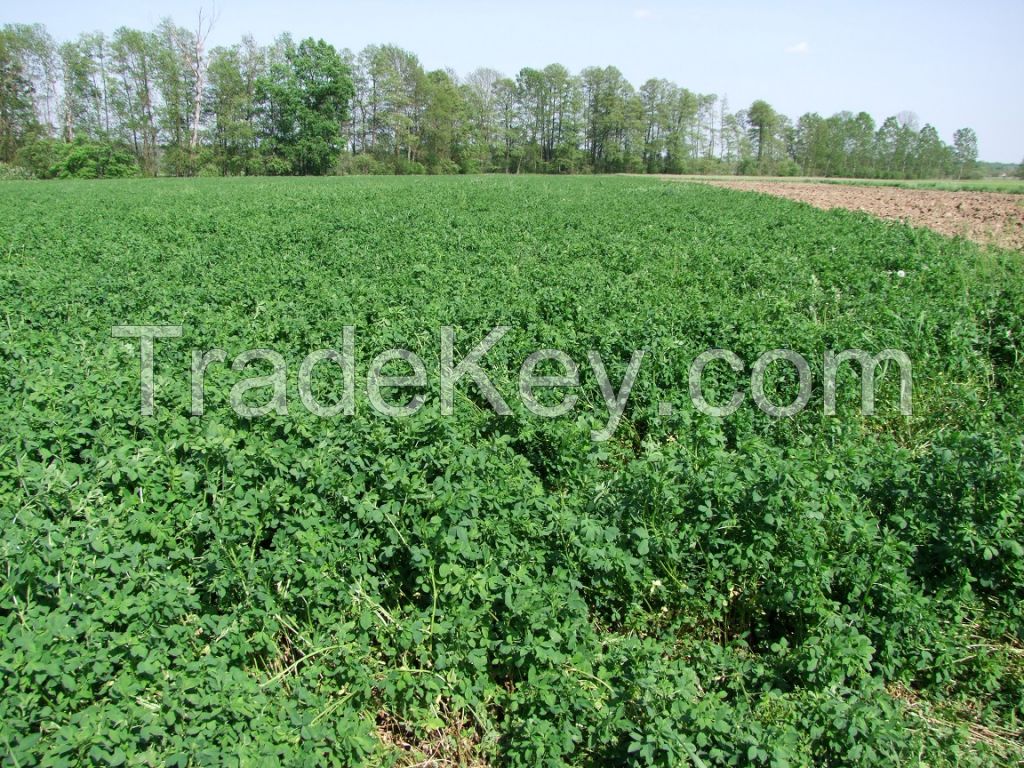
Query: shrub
(14, 172)
(444, 168)
(405, 167)
(41, 157)
(360, 165)
(96, 160)
(82, 159)
(272, 165)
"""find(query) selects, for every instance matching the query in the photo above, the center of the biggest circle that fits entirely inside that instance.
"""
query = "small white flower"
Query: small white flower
(901, 273)
(655, 585)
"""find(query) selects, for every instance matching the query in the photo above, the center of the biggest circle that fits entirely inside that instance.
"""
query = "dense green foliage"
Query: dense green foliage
(183, 590)
(14, 172)
(81, 159)
(850, 145)
(304, 100)
(249, 109)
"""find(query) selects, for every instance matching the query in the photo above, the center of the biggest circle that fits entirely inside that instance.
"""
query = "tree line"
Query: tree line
(162, 102)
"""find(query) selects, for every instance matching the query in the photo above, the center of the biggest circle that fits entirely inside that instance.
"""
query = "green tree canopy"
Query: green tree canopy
(965, 151)
(764, 120)
(304, 100)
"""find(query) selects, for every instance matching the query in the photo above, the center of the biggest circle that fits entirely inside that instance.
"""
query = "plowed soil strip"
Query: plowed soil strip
(988, 218)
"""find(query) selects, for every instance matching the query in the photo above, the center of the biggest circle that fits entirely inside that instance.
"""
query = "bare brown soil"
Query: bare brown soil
(988, 218)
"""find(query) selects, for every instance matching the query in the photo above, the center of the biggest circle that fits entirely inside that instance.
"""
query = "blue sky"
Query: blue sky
(953, 63)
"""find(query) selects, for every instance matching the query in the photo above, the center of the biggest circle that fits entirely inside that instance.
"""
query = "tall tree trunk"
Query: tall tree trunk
(198, 62)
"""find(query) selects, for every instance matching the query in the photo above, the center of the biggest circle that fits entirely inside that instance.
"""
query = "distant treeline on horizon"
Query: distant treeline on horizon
(162, 102)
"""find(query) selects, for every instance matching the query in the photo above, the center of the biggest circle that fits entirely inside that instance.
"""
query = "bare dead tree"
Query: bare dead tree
(196, 59)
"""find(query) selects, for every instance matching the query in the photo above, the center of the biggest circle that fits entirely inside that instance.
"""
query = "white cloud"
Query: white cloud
(800, 48)
(643, 13)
